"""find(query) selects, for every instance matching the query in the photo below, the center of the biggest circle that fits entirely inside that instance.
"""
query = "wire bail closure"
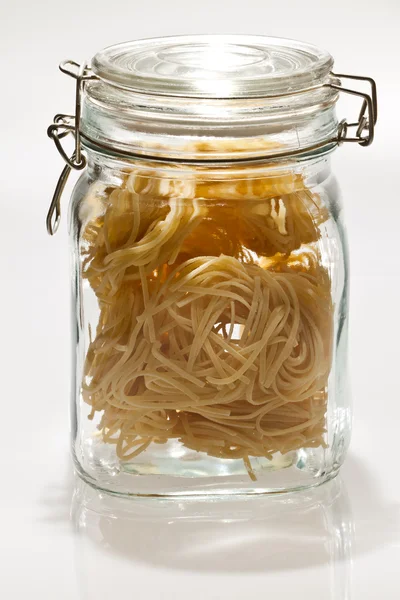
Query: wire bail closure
(368, 115)
(63, 125)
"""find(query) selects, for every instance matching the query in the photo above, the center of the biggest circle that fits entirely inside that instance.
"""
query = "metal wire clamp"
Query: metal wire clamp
(368, 114)
(64, 125)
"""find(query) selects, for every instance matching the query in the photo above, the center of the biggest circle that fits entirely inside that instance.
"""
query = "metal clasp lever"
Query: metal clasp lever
(62, 126)
(368, 113)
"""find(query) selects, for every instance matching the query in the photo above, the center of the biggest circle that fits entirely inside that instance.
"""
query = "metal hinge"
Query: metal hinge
(368, 113)
(62, 126)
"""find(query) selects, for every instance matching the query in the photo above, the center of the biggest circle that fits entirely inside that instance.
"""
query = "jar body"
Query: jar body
(210, 312)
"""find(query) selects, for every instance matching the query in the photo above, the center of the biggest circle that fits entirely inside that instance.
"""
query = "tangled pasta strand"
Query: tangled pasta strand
(228, 354)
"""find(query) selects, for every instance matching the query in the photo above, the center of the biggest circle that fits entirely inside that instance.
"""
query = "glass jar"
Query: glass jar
(210, 276)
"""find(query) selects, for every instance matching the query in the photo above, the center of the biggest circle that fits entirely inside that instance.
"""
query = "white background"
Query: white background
(350, 550)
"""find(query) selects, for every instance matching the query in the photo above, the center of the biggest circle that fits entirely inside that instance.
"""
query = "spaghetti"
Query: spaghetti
(215, 322)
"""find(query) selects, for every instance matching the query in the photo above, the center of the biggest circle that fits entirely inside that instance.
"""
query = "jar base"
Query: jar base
(161, 474)
(219, 492)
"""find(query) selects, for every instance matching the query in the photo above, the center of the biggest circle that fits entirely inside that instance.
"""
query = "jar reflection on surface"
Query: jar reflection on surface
(269, 219)
(281, 537)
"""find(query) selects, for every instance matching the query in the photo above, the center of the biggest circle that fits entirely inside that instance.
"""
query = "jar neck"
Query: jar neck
(190, 129)
(112, 171)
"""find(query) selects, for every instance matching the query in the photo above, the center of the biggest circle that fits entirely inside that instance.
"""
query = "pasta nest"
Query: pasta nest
(229, 357)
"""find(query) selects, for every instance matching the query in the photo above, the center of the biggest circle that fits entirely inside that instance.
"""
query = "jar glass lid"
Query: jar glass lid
(213, 66)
